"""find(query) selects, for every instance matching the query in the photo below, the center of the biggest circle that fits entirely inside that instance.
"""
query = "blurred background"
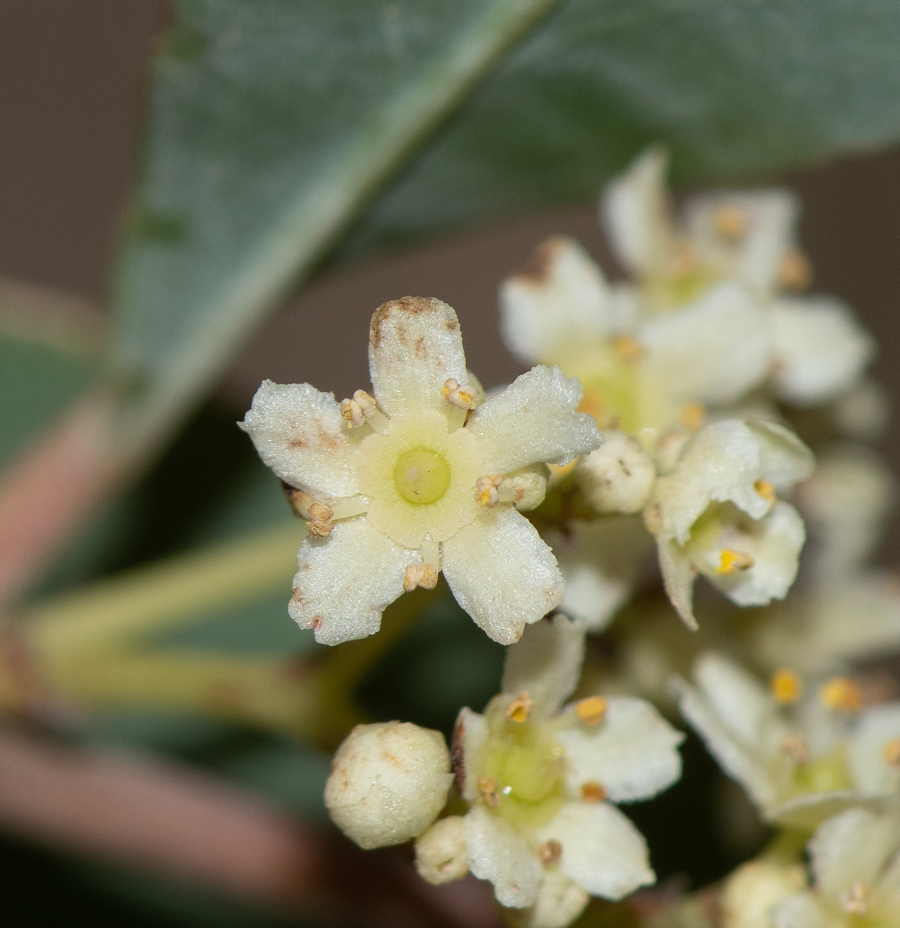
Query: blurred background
(72, 82)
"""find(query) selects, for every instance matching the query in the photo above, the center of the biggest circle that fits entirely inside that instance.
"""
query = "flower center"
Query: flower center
(527, 764)
(421, 476)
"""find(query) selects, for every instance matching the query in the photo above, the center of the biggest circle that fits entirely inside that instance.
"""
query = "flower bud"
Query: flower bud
(618, 476)
(388, 782)
(441, 855)
(752, 891)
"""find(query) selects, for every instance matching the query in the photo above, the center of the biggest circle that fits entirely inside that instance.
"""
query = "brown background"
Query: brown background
(71, 83)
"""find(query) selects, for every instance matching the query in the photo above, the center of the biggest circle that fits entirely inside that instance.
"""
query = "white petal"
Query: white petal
(739, 699)
(632, 752)
(560, 901)
(770, 217)
(804, 910)
(820, 349)
(560, 297)
(469, 737)
(877, 727)
(346, 580)
(752, 891)
(601, 850)
(636, 214)
(534, 420)
(600, 562)
(546, 662)
(502, 573)
(852, 847)
(678, 579)
(299, 433)
(808, 811)
(774, 543)
(415, 346)
(714, 351)
(783, 458)
(498, 853)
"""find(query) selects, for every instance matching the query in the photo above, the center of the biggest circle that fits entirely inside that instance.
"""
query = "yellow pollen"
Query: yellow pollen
(591, 710)
(421, 476)
(765, 490)
(692, 416)
(520, 708)
(550, 852)
(786, 687)
(892, 752)
(592, 791)
(796, 748)
(796, 272)
(487, 490)
(730, 222)
(628, 348)
(490, 790)
(731, 561)
(843, 694)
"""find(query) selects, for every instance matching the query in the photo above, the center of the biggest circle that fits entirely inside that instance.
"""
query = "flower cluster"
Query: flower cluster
(667, 432)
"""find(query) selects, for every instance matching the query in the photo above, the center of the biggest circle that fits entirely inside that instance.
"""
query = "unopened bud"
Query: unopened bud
(618, 476)
(441, 855)
(388, 782)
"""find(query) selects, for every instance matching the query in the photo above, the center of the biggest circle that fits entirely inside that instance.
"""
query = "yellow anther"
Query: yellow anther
(490, 791)
(423, 575)
(360, 409)
(520, 708)
(591, 710)
(628, 348)
(320, 523)
(457, 395)
(786, 687)
(730, 222)
(731, 561)
(856, 902)
(796, 272)
(550, 852)
(487, 490)
(692, 416)
(592, 791)
(892, 752)
(765, 490)
(843, 694)
(796, 748)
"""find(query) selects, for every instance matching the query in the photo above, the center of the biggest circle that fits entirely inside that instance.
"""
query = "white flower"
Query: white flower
(388, 782)
(717, 513)
(537, 776)
(800, 756)
(855, 862)
(637, 372)
(412, 481)
(819, 350)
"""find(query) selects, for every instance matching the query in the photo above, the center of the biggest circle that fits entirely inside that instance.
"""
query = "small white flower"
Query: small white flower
(540, 778)
(855, 862)
(717, 513)
(637, 372)
(411, 481)
(388, 782)
(801, 756)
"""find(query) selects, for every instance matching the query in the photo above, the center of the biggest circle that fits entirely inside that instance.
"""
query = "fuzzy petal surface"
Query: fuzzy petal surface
(546, 663)
(470, 734)
(415, 346)
(560, 901)
(678, 579)
(534, 421)
(502, 573)
(805, 910)
(878, 728)
(713, 351)
(498, 853)
(346, 580)
(299, 433)
(560, 297)
(632, 752)
(820, 349)
(601, 850)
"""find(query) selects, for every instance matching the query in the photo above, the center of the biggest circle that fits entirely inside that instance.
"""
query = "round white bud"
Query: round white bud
(441, 855)
(388, 782)
(618, 476)
(752, 891)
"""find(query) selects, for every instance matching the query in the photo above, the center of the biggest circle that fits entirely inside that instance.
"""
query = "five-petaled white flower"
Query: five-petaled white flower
(800, 756)
(414, 480)
(540, 778)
